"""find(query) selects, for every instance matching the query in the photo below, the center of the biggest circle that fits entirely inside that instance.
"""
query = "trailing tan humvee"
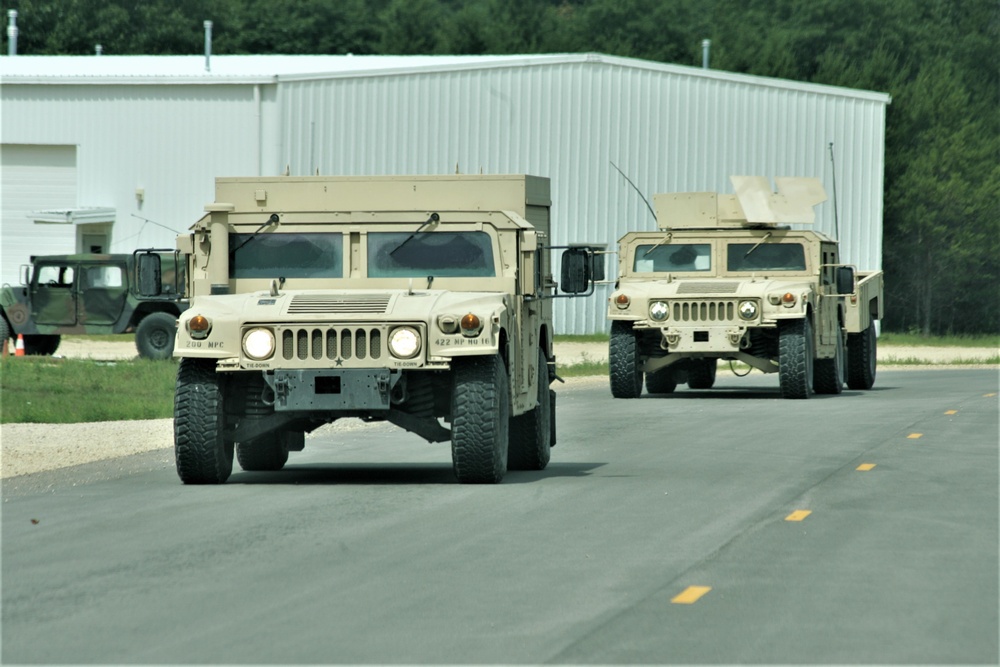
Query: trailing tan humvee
(423, 301)
(726, 278)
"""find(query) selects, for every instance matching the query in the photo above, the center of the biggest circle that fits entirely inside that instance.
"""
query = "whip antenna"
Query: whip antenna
(638, 191)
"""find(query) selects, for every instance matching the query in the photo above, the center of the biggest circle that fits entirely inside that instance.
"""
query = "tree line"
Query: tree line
(939, 59)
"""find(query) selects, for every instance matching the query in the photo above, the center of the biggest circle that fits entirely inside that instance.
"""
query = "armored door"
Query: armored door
(103, 292)
(54, 295)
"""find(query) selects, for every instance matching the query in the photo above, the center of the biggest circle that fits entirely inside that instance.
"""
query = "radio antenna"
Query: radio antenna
(638, 191)
(833, 180)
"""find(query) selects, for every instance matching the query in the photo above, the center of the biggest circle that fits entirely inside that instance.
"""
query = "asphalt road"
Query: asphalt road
(660, 533)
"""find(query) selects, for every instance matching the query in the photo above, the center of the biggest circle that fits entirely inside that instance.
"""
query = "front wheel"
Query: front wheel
(795, 358)
(624, 364)
(154, 337)
(861, 359)
(5, 333)
(480, 420)
(202, 453)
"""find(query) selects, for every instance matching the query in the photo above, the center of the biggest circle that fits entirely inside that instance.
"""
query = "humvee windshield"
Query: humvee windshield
(287, 255)
(443, 254)
(765, 257)
(681, 257)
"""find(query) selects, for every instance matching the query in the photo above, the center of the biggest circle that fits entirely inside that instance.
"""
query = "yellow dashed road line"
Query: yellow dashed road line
(865, 467)
(691, 594)
(798, 515)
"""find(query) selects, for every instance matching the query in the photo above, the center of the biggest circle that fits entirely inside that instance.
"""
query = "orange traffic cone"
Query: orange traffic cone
(19, 348)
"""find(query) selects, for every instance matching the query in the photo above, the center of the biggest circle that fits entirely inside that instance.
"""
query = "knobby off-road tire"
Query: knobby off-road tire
(701, 373)
(203, 455)
(5, 331)
(829, 373)
(268, 453)
(480, 420)
(624, 365)
(795, 358)
(531, 433)
(661, 382)
(861, 359)
(154, 337)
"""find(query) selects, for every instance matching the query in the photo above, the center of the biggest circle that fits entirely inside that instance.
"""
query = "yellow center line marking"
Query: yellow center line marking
(951, 412)
(691, 594)
(989, 395)
(865, 467)
(798, 515)
(914, 436)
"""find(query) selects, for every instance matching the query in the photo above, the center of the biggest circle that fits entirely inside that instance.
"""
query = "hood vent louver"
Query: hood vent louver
(707, 288)
(331, 304)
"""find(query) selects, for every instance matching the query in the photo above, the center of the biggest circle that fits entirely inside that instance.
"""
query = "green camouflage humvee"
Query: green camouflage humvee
(94, 294)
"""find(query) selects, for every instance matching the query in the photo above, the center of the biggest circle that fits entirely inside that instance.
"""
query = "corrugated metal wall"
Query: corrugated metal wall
(171, 141)
(670, 129)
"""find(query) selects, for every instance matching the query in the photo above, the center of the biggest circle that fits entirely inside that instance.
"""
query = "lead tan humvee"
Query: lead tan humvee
(726, 278)
(414, 300)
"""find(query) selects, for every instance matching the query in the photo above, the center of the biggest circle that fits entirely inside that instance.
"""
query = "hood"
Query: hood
(715, 287)
(347, 305)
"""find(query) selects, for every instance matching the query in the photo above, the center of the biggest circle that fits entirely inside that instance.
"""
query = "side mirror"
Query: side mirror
(150, 275)
(845, 280)
(578, 270)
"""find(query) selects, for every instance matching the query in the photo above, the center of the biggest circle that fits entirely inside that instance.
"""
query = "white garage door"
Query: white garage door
(34, 178)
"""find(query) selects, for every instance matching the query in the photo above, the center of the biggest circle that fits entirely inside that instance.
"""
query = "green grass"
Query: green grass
(63, 391)
(918, 361)
(586, 338)
(914, 340)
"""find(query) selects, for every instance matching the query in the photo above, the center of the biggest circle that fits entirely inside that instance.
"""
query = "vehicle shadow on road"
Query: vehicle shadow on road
(372, 474)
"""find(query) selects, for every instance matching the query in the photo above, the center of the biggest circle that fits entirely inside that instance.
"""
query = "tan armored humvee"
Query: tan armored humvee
(726, 278)
(414, 300)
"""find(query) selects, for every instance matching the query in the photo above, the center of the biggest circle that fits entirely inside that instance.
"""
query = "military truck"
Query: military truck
(95, 294)
(423, 301)
(726, 278)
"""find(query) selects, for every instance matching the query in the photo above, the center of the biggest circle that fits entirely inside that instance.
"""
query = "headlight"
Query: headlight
(258, 343)
(404, 342)
(658, 310)
(748, 310)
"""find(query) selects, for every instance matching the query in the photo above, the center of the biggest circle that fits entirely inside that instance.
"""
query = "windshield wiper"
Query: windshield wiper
(658, 243)
(434, 218)
(756, 245)
(273, 220)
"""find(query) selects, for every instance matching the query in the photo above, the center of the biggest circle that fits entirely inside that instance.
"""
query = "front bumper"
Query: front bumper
(332, 389)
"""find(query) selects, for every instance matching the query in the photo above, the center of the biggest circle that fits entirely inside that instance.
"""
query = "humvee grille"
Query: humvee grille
(704, 311)
(331, 343)
(302, 303)
(707, 288)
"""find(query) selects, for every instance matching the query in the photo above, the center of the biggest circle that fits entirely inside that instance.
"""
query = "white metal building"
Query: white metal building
(112, 153)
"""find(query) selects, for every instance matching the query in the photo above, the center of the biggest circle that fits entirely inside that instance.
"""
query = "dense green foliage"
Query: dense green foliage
(937, 58)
